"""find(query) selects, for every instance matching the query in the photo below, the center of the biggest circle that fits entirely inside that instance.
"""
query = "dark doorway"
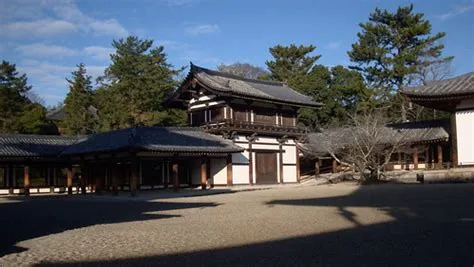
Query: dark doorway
(266, 167)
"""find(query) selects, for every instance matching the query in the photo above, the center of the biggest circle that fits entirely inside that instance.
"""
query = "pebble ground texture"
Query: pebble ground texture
(338, 225)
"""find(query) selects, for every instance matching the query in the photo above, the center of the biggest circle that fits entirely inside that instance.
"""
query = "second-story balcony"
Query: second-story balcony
(229, 125)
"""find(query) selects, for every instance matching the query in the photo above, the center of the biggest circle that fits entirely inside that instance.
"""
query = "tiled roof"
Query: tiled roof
(411, 132)
(159, 139)
(459, 85)
(237, 86)
(59, 113)
(22, 145)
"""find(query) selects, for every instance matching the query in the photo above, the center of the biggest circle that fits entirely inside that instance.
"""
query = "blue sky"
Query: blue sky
(47, 38)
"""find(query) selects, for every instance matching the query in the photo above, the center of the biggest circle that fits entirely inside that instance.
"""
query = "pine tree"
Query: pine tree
(80, 119)
(391, 47)
(135, 84)
(13, 100)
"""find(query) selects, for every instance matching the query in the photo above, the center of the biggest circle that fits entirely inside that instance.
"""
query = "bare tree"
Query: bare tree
(244, 70)
(367, 144)
(437, 70)
(35, 98)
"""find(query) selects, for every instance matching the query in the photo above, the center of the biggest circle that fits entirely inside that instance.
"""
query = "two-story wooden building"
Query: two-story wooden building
(260, 116)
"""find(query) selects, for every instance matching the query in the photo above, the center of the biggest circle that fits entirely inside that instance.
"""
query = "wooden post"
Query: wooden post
(454, 140)
(134, 177)
(175, 175)
(69, 175)
(166, 174)
(203, 173)
(26, 180)
(317, 167)
(230, 180)
(281, 162)
(250, 163)
(98, 180)
(440, 156)
(298, 174)
(334, 166)
(84, 177)
(113, 173)
(415, 158)
(10, 179)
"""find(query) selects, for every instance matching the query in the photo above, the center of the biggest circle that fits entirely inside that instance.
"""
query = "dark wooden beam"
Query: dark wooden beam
(69, 174)
(230, 180)
(280, 154)
(26, 180)
(298, 174)
(203, 173)
(84, 177)
(454, 141)
(134, 177)
(415, 157)
(440, 155)
(175, 175)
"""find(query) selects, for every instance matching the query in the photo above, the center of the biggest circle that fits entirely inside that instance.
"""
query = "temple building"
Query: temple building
(436, 144)
(455, 95)
(242, 132)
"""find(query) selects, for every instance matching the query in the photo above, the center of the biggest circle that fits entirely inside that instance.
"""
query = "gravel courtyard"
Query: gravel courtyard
(395, 225)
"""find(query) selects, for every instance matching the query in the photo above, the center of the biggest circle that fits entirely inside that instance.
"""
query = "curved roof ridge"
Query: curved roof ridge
(195, 68)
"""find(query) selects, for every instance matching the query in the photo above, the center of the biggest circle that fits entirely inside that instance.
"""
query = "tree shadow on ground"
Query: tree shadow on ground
(26, 218)
(427, 229)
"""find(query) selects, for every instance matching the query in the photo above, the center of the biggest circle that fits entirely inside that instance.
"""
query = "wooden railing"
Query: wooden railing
(246, 126)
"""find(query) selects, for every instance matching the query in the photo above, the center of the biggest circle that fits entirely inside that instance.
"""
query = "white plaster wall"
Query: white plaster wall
(240, 174)
(289, 174)
(289, 157)
(465, 136)
(274, 147)
(266, 140)
(219, 171)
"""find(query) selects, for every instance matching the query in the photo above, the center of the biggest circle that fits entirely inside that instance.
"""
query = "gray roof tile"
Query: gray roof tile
(238, 86)
(459, 85)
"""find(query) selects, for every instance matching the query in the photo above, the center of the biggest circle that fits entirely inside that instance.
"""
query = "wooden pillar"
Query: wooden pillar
(317, 166)
(298, 174)
(415, 158)
(134, 177)
(454, 141)
(69, 175)
(440, 155)
(113, 174)
(26, 180)
(230, 179)
(166, 174)
(203, 173)
(280, 155)
(250, 163)
(98, 180)
(84, 177)
(10, 179)
(175, 175)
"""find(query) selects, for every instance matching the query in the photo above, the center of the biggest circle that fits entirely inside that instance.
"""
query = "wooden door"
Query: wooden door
(266, 167)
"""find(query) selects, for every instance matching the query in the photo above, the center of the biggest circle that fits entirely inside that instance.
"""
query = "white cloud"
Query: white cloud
(39, 28)
(42, 50)
(456, 12)
(203, 29)
(333, 45)
(99, 52)
(53, 18)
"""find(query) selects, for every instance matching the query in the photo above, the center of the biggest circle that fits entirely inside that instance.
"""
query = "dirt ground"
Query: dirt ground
(343, 224)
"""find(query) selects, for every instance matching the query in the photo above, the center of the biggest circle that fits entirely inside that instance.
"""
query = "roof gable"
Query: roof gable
(238, 87)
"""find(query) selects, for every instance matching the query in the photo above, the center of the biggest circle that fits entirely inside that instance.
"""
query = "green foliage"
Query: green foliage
(391, 47)
(13, 100)
(339, 89)
(18, 114)
(80, 118)
(134, 86)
